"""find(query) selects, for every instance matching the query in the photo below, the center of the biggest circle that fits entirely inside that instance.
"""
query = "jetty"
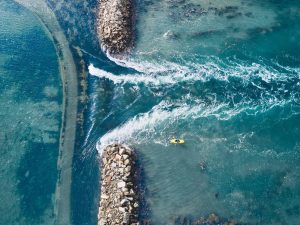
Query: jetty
(115, 19)
(119, 200)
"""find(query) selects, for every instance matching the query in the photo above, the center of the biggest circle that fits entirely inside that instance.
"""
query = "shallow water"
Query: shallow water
(30, 110)
(223, 76)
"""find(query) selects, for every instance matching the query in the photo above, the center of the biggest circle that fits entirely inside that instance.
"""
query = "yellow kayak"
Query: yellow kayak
(176, 141)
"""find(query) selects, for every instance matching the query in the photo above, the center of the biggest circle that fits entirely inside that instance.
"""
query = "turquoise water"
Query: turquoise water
(225, 77)
(30, 111)
(222, 75)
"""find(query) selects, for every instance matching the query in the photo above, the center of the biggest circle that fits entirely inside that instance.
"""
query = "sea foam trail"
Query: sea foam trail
(147, 67)
(145, 122)
(170, 74)
(167, 116)
(117, 79)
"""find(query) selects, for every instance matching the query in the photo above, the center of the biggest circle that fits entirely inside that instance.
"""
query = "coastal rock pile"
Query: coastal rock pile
(115, 25)
(119, 204)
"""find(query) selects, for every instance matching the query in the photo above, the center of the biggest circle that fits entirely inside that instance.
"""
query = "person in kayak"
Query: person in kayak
(176, 141)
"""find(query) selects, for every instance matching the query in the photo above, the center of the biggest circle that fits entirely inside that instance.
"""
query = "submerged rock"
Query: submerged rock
(170, 35)
(211, 219)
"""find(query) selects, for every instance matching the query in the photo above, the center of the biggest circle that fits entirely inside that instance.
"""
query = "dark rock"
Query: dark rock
(206, 33)
(202, 165)
(249, 14)
(193, 10)
(212, 219)
(234, 15)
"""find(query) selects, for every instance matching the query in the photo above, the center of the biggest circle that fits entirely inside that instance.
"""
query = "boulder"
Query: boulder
(126, 162)
(121, 151)
(118, 199)
(104, 196)
(121, 184)
(122, 209)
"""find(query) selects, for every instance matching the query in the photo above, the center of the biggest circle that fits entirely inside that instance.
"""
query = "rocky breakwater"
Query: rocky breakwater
(119, 204)
(115, 25)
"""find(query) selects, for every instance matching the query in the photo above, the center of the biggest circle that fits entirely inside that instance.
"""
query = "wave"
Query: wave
(168, 73)
(145, 66)
(168, 116)
(127, 78)
(260, 88)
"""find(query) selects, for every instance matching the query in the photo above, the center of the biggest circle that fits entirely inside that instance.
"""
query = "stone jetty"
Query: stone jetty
(119, 204)
(115, 25)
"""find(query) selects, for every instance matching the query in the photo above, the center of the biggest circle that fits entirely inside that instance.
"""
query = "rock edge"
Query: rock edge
(119, 203)
(115, 25)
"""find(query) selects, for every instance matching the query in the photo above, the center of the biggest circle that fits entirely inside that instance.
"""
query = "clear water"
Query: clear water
(225, 77)
(222, 75)
(30, 112)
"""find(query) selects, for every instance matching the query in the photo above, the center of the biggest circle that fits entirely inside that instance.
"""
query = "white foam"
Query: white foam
(169, 73)
(167, 116)
(135, 79)
(145, 122)
(156, 122)
(145, 66)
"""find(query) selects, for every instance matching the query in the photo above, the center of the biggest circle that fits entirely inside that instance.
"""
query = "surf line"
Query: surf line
(69, 76)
